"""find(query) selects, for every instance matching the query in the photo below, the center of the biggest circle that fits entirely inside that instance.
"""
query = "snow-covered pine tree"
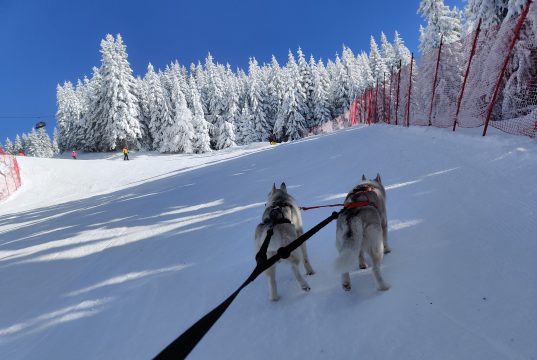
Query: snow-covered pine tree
(159, 108)
(321, 84)
(32, 144)
(306, 81)
(243, 84)
(68, 115)
(177, 135)
(350, 65)
(340, 88)
(376, 62)
(180, 74)
(127, 124)
(491, 12)
(214, 91)
(17, 144)
(441, 21)
(202, 140)
(274, 92)
(290, 124)
(245, 130)
(387, 52)
(518, 95)
(231, 96)
(401, 52)
(144, 116)
(25, 143)
(55, 142)
(443, 25)
(44, 147)
(116, 123)
(367, 79)
(201, 80)
(257, 100)
(9, 147)
(82, 136)
(226, 136)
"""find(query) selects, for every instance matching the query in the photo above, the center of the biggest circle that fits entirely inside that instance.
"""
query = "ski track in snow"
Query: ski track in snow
(106, 259)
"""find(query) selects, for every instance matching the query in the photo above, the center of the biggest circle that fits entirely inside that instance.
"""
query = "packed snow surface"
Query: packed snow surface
(107, 259)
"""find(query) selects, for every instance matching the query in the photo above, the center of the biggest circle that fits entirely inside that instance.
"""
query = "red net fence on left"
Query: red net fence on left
(10, 178)
(488, 78)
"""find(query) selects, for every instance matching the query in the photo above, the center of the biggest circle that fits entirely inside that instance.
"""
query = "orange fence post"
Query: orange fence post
(390, 97)
(397, 96)
(384, 98)
(409, 91)
(435, 78)
(472, 53)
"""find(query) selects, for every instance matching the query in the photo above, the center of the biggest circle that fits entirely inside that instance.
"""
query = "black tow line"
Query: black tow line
(185, 343)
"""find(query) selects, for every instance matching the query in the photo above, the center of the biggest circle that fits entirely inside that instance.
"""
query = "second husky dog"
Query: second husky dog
(362, 229)
(282, 214)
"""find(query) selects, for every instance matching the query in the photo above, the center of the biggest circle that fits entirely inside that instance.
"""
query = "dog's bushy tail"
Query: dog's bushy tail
(346, 260)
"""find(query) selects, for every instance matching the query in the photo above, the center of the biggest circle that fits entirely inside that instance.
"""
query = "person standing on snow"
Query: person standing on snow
(73, 154)
(125, 153)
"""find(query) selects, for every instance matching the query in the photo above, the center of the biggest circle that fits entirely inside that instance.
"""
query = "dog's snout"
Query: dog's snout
(276, 213)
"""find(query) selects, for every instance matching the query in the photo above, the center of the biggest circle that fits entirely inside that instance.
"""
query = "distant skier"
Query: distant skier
(73, 154)
(125, 153)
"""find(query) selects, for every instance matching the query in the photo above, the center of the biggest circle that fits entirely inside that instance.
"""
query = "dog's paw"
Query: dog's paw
(387, 250)
(346, 287)
(363, 266)
(311, 272)
(274, 298)
(306, 288)
(383, 287)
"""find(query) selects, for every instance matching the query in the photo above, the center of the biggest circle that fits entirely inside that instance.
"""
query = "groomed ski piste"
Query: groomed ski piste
(102, 258)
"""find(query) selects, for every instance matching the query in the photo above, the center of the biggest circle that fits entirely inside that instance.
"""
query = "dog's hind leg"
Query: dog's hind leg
(387, 248)
(346, 281)
(294, 266)
(271, 277)
(306, 260)
(375, 249)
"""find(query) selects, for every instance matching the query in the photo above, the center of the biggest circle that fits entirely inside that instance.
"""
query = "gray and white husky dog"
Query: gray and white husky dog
(363, 229)
(280, 207)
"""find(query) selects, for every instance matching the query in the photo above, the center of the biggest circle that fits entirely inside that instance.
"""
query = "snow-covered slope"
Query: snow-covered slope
(105, 259)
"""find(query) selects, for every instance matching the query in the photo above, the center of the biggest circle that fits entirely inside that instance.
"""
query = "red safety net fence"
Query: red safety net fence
(487, 78)
(10, 179)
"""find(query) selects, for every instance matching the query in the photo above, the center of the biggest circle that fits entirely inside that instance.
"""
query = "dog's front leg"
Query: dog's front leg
(361, 260)
(271, 277)
(306, 260)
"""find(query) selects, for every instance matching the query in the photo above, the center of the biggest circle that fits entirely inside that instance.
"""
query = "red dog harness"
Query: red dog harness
(352, 205)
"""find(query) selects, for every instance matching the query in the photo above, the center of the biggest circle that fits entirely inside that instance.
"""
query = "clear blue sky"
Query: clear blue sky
(44, 43)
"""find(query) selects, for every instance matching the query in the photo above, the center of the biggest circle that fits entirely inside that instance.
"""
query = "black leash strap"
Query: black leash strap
(185, 343)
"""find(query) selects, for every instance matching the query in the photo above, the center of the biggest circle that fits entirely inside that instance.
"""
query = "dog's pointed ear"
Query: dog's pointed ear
(283, 187)
(273, 187)
(377, 179)
(363, 177)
